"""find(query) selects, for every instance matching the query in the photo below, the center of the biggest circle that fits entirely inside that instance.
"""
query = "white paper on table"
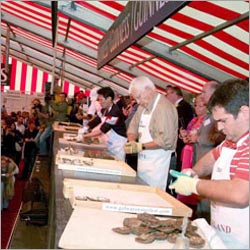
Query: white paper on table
(90, 228)
(210, 234)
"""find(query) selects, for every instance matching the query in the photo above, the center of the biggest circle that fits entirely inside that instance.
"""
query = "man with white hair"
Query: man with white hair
(152, 132)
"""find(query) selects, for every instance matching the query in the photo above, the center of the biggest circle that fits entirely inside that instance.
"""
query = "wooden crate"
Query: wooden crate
(119, 197)
(94, 165)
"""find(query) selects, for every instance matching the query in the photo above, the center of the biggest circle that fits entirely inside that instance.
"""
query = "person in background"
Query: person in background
(129, 112)
(185, 115)
(8, 171)
(228, 164)
(30, 148)
(3, 109)
(193, 126)
(11, 142)
(76, 118)
(206, 138)
(208, 135)
(43, 122)
(152, 132)
(94, 107)
(25, 116)
(111, 123)
(188, 151)
(19, 125)
(59, 108)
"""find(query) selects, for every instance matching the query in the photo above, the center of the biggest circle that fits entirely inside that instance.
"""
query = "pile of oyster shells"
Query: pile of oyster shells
(90, 140)
(98, 155)
(148, 228)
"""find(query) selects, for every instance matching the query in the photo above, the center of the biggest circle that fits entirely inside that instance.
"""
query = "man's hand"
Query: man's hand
(184, 185)
(132, 147)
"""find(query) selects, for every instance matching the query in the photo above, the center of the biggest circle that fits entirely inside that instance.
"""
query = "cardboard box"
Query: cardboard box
(120, 197)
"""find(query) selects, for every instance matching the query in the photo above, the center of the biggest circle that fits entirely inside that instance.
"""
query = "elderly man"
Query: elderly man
(155, 126)
(228, 163)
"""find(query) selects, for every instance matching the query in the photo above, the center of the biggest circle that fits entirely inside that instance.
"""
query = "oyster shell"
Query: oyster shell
(145, 238)
(122, 230)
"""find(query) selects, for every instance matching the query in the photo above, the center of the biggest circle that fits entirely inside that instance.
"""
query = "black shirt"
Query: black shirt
(114, 119)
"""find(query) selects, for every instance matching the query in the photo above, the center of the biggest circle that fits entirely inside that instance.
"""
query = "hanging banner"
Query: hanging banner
(136, 20)
(5, 79)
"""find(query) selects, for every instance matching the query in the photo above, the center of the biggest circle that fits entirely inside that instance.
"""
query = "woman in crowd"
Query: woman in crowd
(188, 150)
(30, 148)
(8, 171)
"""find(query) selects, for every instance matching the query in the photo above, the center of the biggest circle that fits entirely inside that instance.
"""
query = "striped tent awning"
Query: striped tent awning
(29, 80)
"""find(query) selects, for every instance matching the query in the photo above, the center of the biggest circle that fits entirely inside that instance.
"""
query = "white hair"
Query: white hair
(93, 93)
(140, 83)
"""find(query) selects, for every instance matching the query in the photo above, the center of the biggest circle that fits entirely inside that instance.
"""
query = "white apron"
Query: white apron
(233, 223)
(153, 165)
(115, 143)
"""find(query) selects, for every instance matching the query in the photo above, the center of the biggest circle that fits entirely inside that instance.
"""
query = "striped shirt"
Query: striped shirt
(240, 163)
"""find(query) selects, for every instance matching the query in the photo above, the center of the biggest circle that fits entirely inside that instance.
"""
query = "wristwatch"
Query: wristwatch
(143, 146)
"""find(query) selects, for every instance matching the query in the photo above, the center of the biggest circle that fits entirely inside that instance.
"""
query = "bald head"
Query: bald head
(208, 90)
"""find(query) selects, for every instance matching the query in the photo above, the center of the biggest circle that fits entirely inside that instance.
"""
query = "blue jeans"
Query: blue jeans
(41, 140)
(4, 202)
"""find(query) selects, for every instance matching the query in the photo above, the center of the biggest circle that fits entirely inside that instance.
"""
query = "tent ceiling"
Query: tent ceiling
(202, 41)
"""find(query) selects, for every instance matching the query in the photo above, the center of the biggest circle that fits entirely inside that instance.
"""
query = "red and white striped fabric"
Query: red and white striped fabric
(29, 80)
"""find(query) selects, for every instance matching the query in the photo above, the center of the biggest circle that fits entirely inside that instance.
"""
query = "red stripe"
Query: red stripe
(38, 6)
(114, 5)
(222, 54)
(181, 69)
(23, 77)
(213, 9)
(87, 27)
(190, 21)
(3, 58)
(244, 25)
(76, 89)
(66, 87)
(97, 10)
(200, 56)
(162, 39)
(36, 11)
(13, 74)
(175, 31)
(234, 42)
(124, 57)
(213, 63)
(45, 79)
(172, 79)
(18, 13)
(87, 92)
(222, 35)
(33, 80)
